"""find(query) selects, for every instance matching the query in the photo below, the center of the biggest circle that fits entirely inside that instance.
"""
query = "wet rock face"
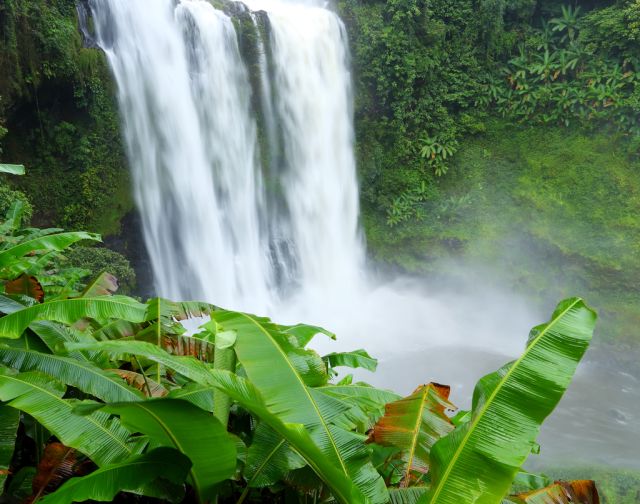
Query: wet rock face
(85, 24)
(130, 243)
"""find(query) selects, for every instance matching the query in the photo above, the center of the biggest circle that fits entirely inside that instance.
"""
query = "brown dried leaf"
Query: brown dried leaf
(563, 492)
(137, 381)
(26, 285)
(58, 464)
(414, 424)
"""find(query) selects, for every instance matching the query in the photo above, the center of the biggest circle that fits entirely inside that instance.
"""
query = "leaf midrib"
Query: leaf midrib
(416, 431)
(8, 252)
(173, 440)
(304, 387)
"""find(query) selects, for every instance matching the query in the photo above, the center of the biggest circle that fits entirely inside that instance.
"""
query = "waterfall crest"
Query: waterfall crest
(246, 186)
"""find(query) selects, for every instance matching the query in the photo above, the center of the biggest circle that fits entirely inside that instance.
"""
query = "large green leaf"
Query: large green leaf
(367, 402)
(354, 359)
(13, 218)
(54, 242)
(8, 305)
(409, 495)
(129, 475)
(280, 372)
(199, 395)
(9, 421)
(190, 430)
(414, 424)
(477, 462)
(361, 392)
(55, 336)
(304, 333)
(186, 366)
(269, 458)
(100, 437)
(247, 396)
(69, 311)
(12, 169)
(83, 375)
(295, 434)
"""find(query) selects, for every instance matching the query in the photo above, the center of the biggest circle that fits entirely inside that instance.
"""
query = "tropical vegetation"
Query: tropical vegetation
(103, 394)
(485, 130)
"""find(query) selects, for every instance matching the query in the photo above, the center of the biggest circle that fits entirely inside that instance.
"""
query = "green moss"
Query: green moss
(555, 210)
(59, 107)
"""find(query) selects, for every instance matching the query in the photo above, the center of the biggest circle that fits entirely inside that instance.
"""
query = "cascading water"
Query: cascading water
(215, 226)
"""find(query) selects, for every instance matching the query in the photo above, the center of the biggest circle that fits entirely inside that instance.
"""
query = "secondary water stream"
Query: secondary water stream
(238, 124)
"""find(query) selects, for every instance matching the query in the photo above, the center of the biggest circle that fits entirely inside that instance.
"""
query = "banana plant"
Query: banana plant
(413, 424)
(477, 462)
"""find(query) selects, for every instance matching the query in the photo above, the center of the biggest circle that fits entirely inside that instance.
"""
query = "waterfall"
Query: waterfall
(223, 220)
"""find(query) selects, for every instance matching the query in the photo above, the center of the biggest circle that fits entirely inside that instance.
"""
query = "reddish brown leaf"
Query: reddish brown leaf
(148, 387)
(562, 492)
(58, 464)
(414, 424)
(189, 347)
(26, 285)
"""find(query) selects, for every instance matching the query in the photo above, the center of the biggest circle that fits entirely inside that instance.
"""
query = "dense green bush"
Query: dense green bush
(428, 72)
(8, 196)
(99, 259)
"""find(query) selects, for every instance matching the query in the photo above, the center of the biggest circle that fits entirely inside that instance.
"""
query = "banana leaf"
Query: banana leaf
(360, 392)
(9, 421)
(354, 359)
(414, 424)
(304, 333)
(197, 394)
(105, 284)
(561, 492)
(53, 242)
(98, 436)
(9, 305)
(55, 336)
(12, 169)
(409, 495)
(477, 462)
(104, 385)
(280, 371)
(243, 391)
(189, 367)
(190, 430)
(129, 475)
(269, 458)
(57, 464)
(69, 311)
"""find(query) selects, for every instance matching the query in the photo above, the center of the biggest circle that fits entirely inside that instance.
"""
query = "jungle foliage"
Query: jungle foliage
(58, 114)
(103, 394)
(429, 73)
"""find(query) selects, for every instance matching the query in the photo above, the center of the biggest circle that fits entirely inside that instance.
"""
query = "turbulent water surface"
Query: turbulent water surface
(241, 148)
